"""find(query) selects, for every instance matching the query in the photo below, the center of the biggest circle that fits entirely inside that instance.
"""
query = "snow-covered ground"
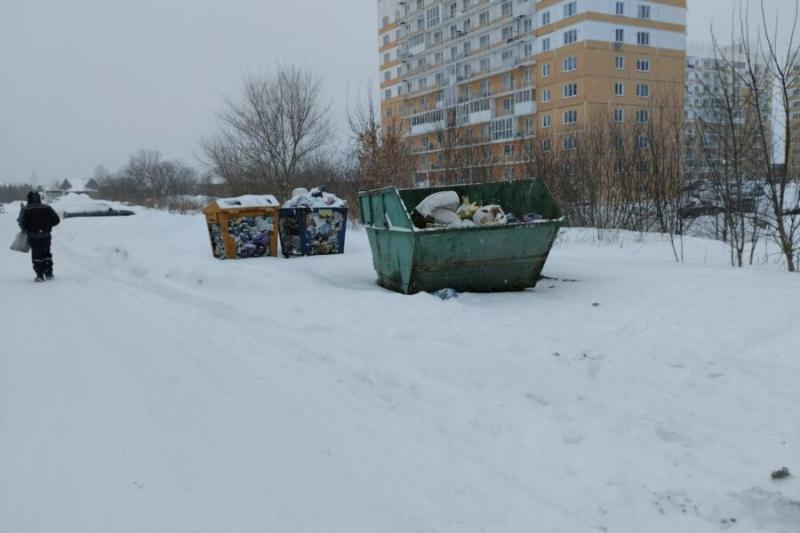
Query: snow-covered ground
(153, 388)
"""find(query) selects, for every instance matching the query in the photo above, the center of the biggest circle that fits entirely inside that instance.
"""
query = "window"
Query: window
(570, 36)
(643, 90)
(508, 33)
(570, 143)
(546, 145)
(387, 75)
(483, 19)
(570, 90)
(527, 25)
(620, 63)
(505, 9)
(484, 41)
(619, 115)
(439, 58)
(485, 64)
(620, 8)
(508, 104)
(643, 116)
(508, 82)
(528, 50)
(508, 150)
(570, 64)
(545, 96)
(545, 18)
(385, 40)
(619, 89)
(388, 94)
(545, 121)
(642, 141)
(546, 70)
(643, 38)
(385, 21)
(433, 16)
(643, 65)
(570, 117)
(467, 48)
(570, 9)
(545, 44)
(423, 83)
(386, 58)
(619, 35)
(502, 129)
(644, 12)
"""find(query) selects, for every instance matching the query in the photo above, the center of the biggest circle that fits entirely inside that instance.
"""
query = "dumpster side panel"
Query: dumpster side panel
(252, 233)
(501, 258)
(325, 230)
(318, 231)
(392, 256)
(292, 231)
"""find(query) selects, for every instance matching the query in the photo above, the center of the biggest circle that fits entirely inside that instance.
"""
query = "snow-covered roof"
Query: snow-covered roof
(248, 200)
(79, 184)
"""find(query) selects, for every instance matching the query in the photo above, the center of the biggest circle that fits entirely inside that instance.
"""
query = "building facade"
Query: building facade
(719, 103)
(793, 158)
(487, 79)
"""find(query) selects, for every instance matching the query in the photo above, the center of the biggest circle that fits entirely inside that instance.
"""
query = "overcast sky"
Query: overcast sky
(86, 82)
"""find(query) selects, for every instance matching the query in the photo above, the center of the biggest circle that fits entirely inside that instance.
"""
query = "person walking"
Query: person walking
(38, 220)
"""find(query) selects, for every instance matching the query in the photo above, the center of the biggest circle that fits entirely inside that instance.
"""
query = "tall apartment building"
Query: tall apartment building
(794, 120)
(714, 83)
(508, 73)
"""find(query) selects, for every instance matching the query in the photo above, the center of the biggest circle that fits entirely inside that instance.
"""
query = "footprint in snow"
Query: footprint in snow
(538, 400)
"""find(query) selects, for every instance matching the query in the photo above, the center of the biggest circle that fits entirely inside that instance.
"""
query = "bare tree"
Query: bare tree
(382, 154)
(147, 179)
(783, 187)
(266, 134)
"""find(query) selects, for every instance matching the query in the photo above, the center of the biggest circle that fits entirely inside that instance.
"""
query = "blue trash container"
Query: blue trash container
(318, 231)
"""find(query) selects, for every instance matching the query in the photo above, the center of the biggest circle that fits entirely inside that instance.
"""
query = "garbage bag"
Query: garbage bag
(20, 243)
(490, 215)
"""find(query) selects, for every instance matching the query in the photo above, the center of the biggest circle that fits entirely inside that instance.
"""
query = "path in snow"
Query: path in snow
(154, 388)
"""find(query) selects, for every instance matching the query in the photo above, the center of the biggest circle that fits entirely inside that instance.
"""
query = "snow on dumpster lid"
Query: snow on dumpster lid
(248, 200)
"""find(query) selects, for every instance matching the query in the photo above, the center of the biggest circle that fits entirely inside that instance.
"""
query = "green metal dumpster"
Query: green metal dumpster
(472, 259)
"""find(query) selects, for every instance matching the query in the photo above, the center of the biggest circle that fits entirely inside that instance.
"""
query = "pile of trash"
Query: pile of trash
(313, 199)
(446, 209)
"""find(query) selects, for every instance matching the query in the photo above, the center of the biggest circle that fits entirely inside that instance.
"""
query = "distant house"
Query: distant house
(80, 186)
(72, 186)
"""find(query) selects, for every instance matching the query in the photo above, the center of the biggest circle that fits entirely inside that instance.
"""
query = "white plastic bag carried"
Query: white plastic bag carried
(20, 243)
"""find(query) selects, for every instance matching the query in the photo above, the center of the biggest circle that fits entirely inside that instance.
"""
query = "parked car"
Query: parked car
(95, 209)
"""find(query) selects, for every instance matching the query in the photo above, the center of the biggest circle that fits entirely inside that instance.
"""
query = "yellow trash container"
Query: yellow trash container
(243, 227)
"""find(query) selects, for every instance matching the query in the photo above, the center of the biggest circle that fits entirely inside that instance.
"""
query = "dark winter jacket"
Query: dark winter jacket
(38, 218)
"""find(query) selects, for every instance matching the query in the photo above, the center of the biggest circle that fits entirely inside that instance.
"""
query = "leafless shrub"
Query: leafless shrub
(277, 123)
